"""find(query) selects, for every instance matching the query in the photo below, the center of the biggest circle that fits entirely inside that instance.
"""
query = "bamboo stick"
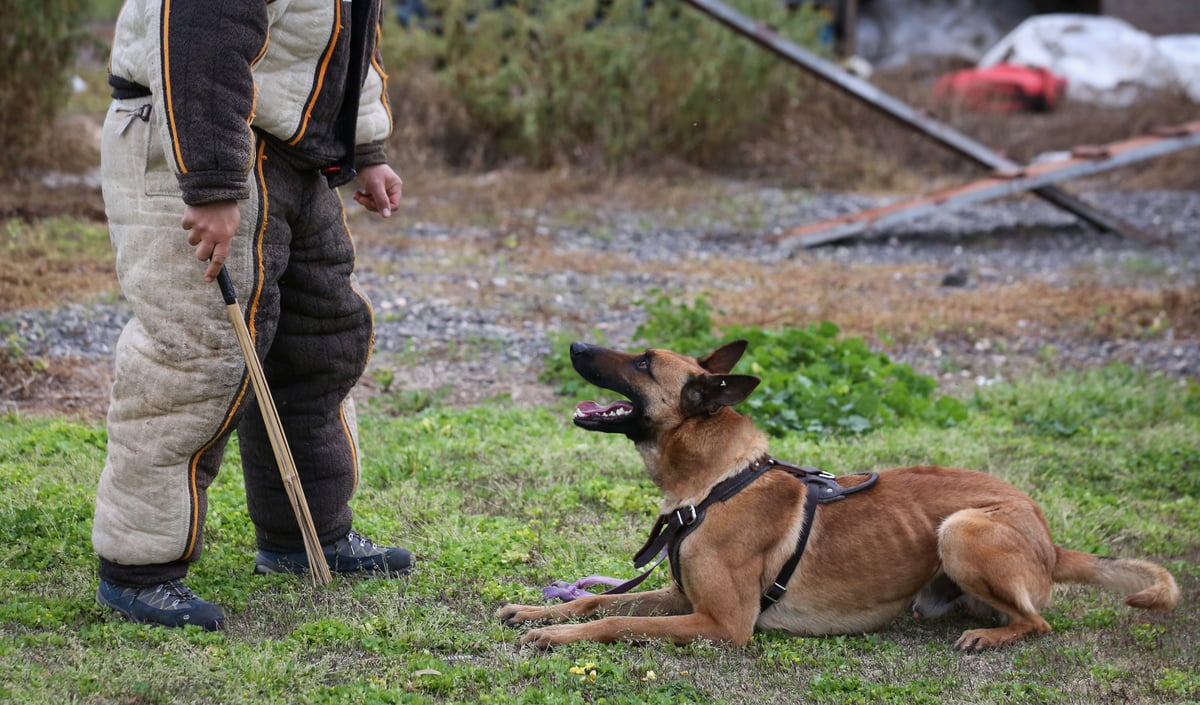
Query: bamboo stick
(318, 568)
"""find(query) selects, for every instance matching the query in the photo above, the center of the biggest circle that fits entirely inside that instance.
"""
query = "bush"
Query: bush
(813, 382)
(544, 82)
(40, 42)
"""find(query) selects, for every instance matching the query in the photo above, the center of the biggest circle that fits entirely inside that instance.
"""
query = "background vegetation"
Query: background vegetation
(44, 39)
(554, 83)
(655, 88)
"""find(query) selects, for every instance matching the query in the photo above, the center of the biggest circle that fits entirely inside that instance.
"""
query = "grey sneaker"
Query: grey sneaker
(353, 553)
(170, 604)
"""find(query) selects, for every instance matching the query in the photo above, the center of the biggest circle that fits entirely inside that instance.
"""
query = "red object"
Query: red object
(1003, 88)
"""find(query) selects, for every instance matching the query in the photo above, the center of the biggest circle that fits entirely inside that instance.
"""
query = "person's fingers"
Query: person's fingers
(364, 200)
(395, 192)
(217, 260)
(379, 197)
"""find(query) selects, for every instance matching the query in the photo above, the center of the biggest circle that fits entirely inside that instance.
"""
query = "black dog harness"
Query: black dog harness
(671, 529)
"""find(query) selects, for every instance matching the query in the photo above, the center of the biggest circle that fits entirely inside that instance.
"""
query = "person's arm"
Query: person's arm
(380, 188)
(207, 99)
(207, 89)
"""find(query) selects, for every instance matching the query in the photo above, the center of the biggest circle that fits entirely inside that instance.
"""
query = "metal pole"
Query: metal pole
(1086, 161)
(893, 107)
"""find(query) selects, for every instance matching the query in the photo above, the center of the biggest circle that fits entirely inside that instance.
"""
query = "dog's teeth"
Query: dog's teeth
(609, 413)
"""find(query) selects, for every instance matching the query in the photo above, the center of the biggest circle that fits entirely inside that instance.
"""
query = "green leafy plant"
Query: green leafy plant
(814, 382)
(557, 369)
(818, 383)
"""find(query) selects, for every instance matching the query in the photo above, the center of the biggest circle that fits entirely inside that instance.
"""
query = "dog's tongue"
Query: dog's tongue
(591, 408)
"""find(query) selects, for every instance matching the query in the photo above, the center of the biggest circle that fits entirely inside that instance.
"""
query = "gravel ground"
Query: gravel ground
(451, 305)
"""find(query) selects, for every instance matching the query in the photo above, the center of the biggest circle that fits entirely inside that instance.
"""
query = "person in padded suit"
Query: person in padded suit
(232, 124)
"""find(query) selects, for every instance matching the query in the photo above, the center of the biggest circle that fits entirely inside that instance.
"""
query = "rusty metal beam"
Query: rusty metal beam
(889, 105)
(1082, 162)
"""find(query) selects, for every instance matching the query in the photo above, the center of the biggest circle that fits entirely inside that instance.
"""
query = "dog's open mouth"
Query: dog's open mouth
(590, 415)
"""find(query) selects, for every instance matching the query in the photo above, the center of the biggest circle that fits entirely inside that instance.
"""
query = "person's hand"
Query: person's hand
(380, 190)
(211, 227)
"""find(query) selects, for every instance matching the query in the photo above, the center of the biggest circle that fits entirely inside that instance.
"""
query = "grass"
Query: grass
(500, 500)
(52, 261)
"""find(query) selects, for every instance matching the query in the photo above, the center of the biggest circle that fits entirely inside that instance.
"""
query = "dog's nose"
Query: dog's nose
(579, 349)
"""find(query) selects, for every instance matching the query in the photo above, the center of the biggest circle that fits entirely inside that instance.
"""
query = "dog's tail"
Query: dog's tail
(1145, 585)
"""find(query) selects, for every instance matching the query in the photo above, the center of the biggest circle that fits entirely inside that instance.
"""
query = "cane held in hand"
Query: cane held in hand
(317, 567)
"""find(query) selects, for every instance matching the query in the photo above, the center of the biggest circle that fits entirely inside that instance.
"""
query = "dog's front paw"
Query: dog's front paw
(539, 639)
(515, 615)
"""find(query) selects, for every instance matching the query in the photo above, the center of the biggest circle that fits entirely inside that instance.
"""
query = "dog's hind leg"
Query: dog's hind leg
(942, 595)
(937, 598)
(1002, 556)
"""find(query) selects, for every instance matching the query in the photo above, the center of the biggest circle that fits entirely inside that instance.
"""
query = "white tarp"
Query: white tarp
(1106, 61)
(892, 33)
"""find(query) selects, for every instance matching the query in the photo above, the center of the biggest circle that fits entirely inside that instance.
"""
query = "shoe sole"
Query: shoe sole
(128, 617)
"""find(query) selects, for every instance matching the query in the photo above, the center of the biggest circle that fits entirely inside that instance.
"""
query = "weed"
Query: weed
(45, 35)
(813, 381)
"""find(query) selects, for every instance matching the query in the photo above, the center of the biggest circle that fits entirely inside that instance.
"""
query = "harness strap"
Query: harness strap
(669, 530)
(823, 488)
(672, 527)
(779, 587)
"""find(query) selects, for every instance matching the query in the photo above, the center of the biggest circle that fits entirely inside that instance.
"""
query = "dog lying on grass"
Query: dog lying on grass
(758, 543)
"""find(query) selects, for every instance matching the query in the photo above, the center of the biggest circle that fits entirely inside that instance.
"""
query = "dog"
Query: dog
(930, 538)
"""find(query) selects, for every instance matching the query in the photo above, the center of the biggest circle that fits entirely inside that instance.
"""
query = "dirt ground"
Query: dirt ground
(833, 144)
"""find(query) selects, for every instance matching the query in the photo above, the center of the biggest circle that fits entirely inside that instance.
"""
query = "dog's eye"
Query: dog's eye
(642, 363)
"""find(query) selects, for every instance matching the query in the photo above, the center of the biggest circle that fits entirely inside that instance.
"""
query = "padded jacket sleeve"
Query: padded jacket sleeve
(207, 50)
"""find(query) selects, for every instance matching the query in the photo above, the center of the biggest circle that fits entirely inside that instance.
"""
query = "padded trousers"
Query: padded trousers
(180, 385)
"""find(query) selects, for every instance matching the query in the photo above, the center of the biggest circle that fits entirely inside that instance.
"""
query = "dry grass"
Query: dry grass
(903, 302)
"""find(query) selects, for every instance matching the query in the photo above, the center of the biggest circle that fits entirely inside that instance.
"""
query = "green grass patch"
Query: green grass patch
(499, 501)
(62, 238)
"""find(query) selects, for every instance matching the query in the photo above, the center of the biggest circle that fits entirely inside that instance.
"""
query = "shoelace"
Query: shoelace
(176, 590)
(358, 543)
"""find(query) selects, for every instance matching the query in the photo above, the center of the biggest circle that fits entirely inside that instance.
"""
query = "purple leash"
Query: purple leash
(566, 592)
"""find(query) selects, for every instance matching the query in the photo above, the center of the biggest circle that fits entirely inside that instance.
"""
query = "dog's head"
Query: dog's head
(661, 388)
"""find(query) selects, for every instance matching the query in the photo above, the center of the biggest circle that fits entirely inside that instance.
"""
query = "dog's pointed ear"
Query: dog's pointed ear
(722, 360)
(708, 393)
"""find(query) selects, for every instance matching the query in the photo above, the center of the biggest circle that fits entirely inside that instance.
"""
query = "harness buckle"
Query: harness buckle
(688, 521)
(775, 593)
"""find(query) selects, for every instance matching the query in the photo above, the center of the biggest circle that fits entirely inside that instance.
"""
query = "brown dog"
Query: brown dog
(926, 538)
